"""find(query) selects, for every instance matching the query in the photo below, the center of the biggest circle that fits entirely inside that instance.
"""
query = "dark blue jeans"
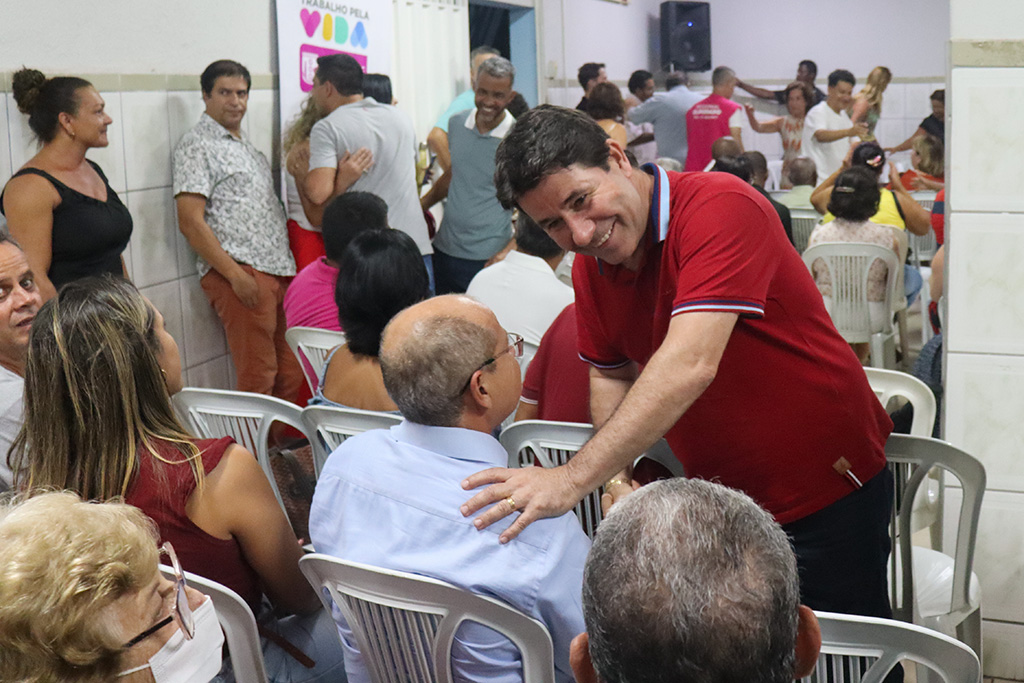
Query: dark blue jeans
(452, 274)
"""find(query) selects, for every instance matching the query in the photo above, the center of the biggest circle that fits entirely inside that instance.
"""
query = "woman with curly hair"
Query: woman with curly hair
(606, 106)
(799, 96)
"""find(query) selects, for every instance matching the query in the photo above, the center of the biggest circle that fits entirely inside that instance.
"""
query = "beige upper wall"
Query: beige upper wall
(125, 36)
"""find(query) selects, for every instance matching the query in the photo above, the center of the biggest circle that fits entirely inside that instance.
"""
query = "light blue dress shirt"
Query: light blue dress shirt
(666, 111)
(391, 498)
(465, 100)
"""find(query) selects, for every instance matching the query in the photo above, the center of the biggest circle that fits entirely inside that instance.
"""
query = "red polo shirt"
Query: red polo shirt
(790, 398)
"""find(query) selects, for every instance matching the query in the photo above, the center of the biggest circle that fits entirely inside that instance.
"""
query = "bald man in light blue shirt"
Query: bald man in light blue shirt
(391, 498)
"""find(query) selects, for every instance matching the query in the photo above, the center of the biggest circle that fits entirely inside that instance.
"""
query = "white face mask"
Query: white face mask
(189, 661)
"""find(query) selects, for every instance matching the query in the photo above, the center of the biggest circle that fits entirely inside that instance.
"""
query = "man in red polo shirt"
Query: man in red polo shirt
(691, 277)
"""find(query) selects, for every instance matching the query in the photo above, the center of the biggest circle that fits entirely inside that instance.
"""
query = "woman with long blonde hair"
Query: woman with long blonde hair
(867, 105)
(100, 371)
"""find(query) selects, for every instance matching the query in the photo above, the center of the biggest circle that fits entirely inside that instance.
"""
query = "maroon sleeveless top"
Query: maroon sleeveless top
(161, 490)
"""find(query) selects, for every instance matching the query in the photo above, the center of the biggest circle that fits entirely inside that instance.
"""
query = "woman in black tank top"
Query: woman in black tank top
(59, 206)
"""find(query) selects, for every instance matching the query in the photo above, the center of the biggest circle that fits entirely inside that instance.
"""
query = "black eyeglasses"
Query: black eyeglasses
(182, 613)
(515, 348)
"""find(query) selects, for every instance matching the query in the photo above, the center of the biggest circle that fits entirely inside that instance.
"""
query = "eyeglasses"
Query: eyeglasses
(181, 614)
(515, 348)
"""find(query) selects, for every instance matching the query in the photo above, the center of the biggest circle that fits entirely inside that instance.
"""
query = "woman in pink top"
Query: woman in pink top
(799, 95)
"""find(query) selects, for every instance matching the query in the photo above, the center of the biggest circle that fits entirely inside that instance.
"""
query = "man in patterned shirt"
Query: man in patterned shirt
(233, 219)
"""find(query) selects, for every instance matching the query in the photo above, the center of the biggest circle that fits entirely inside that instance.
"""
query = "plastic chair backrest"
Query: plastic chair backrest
(311, 345)
(858, 649)
(804, 221)
(328, 426)
(213, 413)
(238, 623)
(926, 198)
(553, 443)
(922, 247)
(404, 624)
(849, 263)
(911, 458)
(890, 383)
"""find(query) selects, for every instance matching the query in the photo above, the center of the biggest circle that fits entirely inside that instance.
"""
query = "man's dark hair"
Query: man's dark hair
(348, 215)
(588, 72)
(802, 171)
(223, 67)
(855, 195)
(811, 66)
(518, 106)
(638, 79)
(843, 75)
(341, 71)
(758, 167)
(605, 102)
(531, 239)
(737, 166)
(939, 95)
(546, 140)
(674, 79)
(380, 273)
(378, 86)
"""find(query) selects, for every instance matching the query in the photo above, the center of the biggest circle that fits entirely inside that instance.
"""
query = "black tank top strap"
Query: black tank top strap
(62, 189)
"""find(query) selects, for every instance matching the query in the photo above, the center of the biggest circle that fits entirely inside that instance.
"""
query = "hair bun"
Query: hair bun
(26, 85)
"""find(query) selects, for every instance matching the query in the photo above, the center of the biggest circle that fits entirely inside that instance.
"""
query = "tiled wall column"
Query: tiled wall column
(150, 115)
(985, 336)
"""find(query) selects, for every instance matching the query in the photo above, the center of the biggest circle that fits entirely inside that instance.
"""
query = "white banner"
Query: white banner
(307, 29)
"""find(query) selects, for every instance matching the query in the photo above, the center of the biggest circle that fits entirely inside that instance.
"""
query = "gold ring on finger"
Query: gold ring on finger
(511, 503)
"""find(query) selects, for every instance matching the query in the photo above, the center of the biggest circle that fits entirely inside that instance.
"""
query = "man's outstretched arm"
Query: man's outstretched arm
(677, 374)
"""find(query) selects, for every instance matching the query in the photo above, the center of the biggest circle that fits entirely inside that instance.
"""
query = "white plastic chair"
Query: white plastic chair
(238, 623)
(864, 649)
(889, 384)
(925, 198)
(553, 443)
(404, 624)
(849, 263)
(311, 345)
(804, 221)
(928, 587)
(213, 413)
(328, 426)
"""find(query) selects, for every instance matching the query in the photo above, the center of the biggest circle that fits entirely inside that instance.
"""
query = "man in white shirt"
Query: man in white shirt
(19, 303)
(827, 125)
(522, 288)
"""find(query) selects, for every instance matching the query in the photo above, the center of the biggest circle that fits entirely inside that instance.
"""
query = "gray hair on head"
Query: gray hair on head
(705, 575)
(498, 67)
(426, 371)
(721, 75)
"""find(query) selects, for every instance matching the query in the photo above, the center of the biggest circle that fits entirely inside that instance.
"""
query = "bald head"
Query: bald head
(428, 353)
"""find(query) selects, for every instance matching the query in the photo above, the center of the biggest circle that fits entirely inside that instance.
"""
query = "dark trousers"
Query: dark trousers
(452, 274)
(842, 554)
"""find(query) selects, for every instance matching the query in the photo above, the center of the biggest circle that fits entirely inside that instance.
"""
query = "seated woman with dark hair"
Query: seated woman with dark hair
(606, 106)
(854, 201)
(99, 421)
(380, 273)
(82, 600)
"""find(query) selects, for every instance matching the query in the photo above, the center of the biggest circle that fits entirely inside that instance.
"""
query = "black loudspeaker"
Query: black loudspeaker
(686, 35)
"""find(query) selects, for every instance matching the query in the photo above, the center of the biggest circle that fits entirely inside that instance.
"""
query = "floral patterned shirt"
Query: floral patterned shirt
(242, 207)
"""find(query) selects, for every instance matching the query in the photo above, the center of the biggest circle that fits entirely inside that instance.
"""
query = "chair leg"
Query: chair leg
(901, 323)
(968, 631)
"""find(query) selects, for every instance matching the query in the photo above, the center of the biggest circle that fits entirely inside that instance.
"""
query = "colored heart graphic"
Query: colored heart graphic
(359, 38)
(310, 20)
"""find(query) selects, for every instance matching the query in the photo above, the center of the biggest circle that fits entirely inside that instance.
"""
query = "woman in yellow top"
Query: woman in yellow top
(606, 106)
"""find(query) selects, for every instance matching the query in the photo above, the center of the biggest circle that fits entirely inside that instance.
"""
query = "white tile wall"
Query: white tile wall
(984, 402)
(1002, 650)
(986, 313)
(138, 164)
(147, 139)
(987, 119)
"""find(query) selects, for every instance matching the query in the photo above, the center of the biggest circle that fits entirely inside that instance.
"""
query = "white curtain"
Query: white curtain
(430, 58)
